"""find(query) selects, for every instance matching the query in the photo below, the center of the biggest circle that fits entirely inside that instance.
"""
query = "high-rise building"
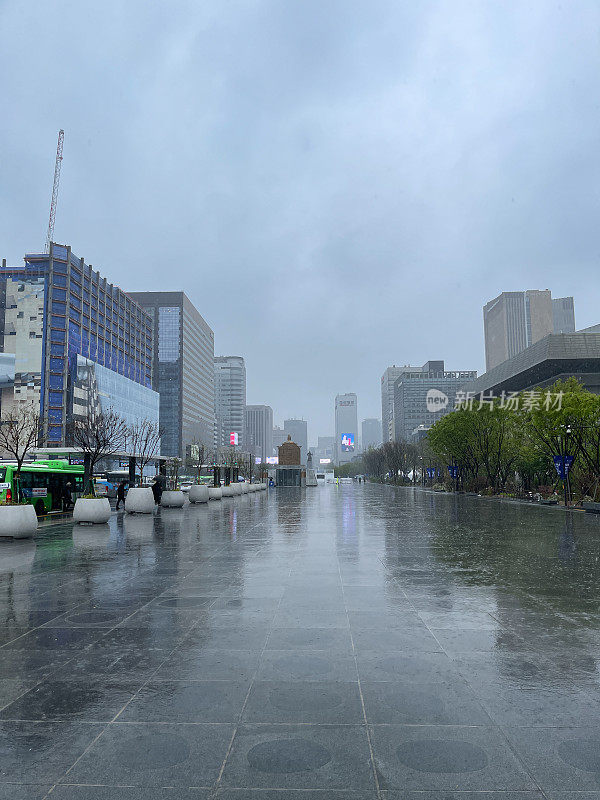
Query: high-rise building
(279, 437)
(346, 428)
(387, 401)
(298, 430)
(563, 315)
(183, 371)
(259, 431)
(424, 395)
(516, 320)
(70, 338)
(371, 433)
(230, 398)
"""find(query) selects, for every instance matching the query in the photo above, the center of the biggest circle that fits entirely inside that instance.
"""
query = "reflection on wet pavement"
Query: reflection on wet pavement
(337, 642)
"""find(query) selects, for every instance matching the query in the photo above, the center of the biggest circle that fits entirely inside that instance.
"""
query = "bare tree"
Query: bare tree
(143, 441)
(19, 433)
(97, 435)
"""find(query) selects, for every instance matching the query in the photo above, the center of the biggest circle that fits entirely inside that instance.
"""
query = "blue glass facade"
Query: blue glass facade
(79, 314)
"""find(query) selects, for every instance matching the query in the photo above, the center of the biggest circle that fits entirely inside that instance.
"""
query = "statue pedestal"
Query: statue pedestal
(311, 477)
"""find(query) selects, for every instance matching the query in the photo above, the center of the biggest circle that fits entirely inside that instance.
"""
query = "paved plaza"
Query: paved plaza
(346, 642)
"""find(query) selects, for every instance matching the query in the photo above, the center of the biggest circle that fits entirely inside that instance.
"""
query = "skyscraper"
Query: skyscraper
(70, 339)
(346, 428)
(424, 395)
(371, 433)
(259, 431)
(230, 398)
(387, 401)
(183, 371)
(515, 320)
(298, 430)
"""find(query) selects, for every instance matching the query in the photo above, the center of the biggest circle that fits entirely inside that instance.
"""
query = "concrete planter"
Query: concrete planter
(245, 487)
(18, 522)
(237, 488)
(139, 501)
(172, 499)
(228, 491)
(95, 511)
(198, 494)
(263, 486)
(591, 508)
(215, 493)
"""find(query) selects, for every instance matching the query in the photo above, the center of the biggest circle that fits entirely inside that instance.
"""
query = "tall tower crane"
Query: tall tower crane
(57, 166)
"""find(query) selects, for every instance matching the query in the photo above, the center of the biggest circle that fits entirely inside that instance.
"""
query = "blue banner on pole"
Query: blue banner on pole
(563, 465)
(430, 472)
(453, 470)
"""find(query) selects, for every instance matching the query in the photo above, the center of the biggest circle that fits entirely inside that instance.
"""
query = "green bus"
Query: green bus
(42, 483)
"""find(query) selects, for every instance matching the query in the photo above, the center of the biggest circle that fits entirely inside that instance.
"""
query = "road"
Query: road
(336, 642)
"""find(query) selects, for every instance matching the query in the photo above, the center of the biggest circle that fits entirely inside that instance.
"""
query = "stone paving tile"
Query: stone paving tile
(127, 793)
(154, 755)
(447, 757)
(299, 757)
(331, 702)
(187, 701)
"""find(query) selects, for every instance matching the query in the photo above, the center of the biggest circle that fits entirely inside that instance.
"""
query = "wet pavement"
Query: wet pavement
(337, 642)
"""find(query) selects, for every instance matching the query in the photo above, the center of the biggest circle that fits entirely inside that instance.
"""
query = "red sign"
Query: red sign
(233, 438)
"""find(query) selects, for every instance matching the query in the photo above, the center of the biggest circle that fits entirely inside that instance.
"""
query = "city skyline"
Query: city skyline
(233, 183)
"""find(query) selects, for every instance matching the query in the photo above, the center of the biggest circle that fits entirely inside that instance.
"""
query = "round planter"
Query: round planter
(18, 522)
(228, 491)
(263, 486)
(139, 500)
(171, 499)
(198, 494)
(215, 493)
(95, 511)
(237, 488)
(245, 487)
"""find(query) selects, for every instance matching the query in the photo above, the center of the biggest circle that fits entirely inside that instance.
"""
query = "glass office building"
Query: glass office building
(56, 310)
(183, 371)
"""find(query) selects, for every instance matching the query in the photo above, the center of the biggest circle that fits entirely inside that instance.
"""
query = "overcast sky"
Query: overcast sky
(338, 185)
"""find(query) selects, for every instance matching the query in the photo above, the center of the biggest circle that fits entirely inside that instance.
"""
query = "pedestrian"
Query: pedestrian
(67, 497)
(157, 490)
(121, 493)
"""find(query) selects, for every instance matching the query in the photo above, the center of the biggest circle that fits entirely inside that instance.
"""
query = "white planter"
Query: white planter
(139, 500)
(93, 510)
(245, 487)
(198, 494)
(262, 486)
(215, 493)
(171, 499)
(18, 522)
(228, 491)
(237, 488)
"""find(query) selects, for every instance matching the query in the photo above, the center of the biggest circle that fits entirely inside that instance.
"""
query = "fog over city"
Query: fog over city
(338, 186)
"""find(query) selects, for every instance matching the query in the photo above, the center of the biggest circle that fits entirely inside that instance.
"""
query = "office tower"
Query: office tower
(298, 430)
(387, 401)
(259, 431)
(230, 398)
(514, 321)
(70, 338)
(563, 315)
(371, 433)
(424, 395)
(279, 437)
(183, 372)
(346, 428)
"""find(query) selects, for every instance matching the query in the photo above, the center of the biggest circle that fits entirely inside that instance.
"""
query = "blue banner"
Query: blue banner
(563, 465)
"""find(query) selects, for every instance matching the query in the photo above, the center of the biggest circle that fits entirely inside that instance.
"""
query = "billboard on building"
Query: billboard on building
(272, 460)
(324, 461)
(347, 442)
(233, 438)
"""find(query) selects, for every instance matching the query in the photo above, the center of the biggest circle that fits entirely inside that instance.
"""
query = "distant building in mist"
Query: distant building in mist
(370, 433)
(346, 427)
(514, 321)
(258, 428)
(230, 398)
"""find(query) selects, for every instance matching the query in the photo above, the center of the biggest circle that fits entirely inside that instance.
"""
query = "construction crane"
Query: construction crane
(59, 151)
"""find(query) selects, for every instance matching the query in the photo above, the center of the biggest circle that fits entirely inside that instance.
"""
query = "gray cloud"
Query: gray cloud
(337, 185)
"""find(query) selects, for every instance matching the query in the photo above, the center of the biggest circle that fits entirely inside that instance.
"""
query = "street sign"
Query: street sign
(563, 465)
